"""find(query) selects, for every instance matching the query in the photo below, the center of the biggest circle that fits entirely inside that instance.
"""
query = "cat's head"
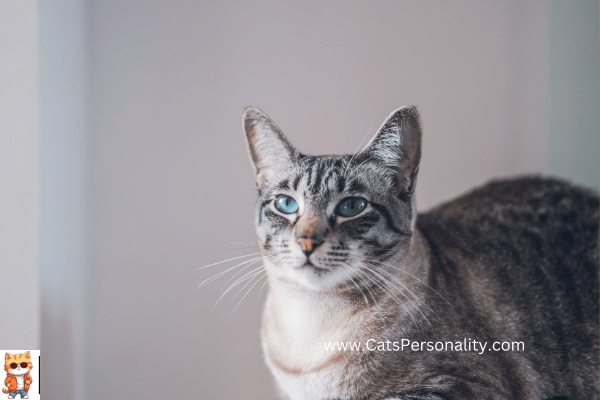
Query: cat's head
(321, 220)
(17, 364)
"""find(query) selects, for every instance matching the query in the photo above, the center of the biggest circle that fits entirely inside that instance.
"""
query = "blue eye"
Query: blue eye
(351, 206)
(286, 204)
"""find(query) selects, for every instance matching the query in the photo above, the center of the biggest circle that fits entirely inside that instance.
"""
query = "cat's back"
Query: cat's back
(550, 215)
(533, 244)
(540, 225)
(504, 199)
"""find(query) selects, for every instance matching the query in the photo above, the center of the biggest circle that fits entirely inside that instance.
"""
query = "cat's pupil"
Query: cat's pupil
(286, 204)
(351, 206)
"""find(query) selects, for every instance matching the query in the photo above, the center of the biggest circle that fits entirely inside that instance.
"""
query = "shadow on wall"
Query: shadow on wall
(57, 356)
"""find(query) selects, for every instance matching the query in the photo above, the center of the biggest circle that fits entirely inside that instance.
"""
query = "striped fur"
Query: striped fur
(514, 260)
(319, 183)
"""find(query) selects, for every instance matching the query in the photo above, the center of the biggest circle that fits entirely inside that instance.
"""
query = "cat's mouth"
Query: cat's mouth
(309, 264)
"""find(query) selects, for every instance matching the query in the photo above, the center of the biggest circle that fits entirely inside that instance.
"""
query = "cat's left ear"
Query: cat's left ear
(397, 145)
(27, 355)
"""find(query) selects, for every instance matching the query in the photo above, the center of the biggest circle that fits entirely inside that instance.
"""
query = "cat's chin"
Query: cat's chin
(314, 278)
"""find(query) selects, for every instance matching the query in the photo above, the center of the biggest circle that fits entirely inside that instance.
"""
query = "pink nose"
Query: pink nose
(309, 244)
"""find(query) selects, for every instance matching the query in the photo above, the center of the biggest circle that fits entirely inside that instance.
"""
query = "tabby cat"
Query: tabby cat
(17, 367)
(349, 261)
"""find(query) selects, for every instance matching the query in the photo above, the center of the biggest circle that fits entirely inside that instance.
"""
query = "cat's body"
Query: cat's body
(348, 261)
(518, 259)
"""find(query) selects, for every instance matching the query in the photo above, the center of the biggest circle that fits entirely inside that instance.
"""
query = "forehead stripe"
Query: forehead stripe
(283, 185)
(324, 171)
(341, 183)
(320, 169)
(297, 182)
(309, 176)
(331, 174)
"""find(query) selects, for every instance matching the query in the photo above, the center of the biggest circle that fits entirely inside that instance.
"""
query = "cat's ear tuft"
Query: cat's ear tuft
(27, 355)
(397, 145)
(270, 152)
(7, 356)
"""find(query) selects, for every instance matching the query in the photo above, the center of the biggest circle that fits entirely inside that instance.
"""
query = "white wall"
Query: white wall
(171, 184)
(19, 175)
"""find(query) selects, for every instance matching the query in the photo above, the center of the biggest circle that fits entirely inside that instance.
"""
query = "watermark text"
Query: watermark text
(408, 345)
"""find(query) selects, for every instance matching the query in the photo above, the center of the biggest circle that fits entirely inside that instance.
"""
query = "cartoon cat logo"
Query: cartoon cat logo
(17, 367)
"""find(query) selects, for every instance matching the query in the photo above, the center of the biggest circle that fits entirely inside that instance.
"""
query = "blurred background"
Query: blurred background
(123, 166)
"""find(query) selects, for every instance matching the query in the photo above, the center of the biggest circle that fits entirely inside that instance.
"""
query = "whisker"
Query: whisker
(412, 276)
(384, 280)
(398, 301)
(224, 261)
(383, 271)
(368, 288)
(220, 274)
(242, 299)
(372, 270)
(364, 284)
(257, 258)
(258, 270)
(356, 151)
(261, 288)
(361, 292)
(355, 169)
(278, 267)
(237, 273)
(398, 281)
(237, 248)
(248, 275)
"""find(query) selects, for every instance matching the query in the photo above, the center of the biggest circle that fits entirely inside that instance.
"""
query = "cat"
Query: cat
(18, 380)
(349, 260)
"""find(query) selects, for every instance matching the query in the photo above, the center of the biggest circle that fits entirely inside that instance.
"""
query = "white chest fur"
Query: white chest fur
(296, 326)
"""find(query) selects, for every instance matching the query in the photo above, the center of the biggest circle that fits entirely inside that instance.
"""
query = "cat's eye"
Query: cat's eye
(15, 365)
(351, 206)
(286, 204)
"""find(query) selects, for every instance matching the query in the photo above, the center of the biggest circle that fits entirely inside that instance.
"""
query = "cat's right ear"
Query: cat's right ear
(7, 356)
(270, 152)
